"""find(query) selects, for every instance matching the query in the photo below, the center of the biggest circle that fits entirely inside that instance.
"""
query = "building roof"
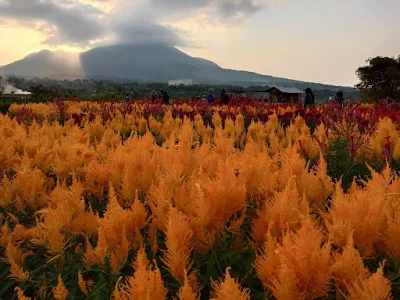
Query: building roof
(282, 89)
(286, 90)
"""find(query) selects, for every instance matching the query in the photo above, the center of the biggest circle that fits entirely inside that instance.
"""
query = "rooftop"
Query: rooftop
(282, 89)
(286, 90)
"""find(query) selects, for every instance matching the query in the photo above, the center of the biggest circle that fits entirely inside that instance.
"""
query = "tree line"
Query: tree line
(379, 79)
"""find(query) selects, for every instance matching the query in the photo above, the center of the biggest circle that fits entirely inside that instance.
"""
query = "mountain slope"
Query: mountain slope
(144, 62)
(148, 63)
(45, 64)
(160, 63)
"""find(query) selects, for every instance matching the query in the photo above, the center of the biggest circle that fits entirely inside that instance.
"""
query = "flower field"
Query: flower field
(190, 201)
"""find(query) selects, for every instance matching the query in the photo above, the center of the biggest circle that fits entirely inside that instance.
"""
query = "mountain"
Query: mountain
(52, 64)
(147, 63)
(144, 62)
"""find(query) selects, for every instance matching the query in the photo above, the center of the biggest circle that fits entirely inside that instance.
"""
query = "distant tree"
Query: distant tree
(380, 79)
(2, 85)
(42, 93)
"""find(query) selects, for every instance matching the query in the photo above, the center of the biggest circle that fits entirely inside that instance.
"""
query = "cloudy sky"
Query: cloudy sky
(313, 40)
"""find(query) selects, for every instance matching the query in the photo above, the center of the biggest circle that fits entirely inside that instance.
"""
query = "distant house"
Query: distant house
(275, 94)
(284, 94)
(180, 81)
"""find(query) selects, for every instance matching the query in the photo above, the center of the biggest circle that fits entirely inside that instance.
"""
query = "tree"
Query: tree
(380, 79)
(42, 93)
(2, 85)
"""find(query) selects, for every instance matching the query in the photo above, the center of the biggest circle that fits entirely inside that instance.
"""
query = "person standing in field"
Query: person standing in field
(224, 97)
(339, 98)
(127, 98)
(153, 97)
(165, 97)
(161, 97)
(210, 96)
(309, 101)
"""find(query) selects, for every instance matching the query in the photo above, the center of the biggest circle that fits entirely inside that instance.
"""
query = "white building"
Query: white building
(180, 81)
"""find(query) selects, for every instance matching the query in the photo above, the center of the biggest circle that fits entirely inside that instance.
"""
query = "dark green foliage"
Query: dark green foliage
(380, 79)
(7, 285)
(341, 165)
(392, 272)
(222, 255)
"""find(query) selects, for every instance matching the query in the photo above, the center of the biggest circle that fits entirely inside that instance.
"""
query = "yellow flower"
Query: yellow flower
(85, 286)
(60, 292)
(21, 295)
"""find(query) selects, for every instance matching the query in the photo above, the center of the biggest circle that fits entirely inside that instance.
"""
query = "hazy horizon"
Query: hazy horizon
(318, 41)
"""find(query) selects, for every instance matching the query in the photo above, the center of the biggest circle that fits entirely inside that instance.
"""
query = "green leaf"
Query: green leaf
(6, 289)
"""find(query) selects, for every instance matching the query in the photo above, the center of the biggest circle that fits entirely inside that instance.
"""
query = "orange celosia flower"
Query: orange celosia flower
(306, 254)
(180, 244)
(141, 260)
(97, 178)
(101, 248)
(186, 292)
(392, 234)
(118, 294)
(228, 288)
(226, 195)
(119, 254)
(303, 256)
(89, 257)
(361, 212)
(282, 212)
(16, 254)
(202, 182)
(17, 272)
(60, 292)
(56, 241)
(21, 295)
(284, 285)
(146, 283)
(5, 234)
(97, 255)
(200, 221)
(268, 261)
(85, 286)
(159, 200)
(15, 257)
(376, 287)
(348, 265)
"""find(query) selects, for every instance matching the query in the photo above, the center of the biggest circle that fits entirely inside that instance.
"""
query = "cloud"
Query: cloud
(240, 8)
(146, 32)
(222, 10)
(140, 22)
(146, 21)
(66, 22)
(81, 22)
